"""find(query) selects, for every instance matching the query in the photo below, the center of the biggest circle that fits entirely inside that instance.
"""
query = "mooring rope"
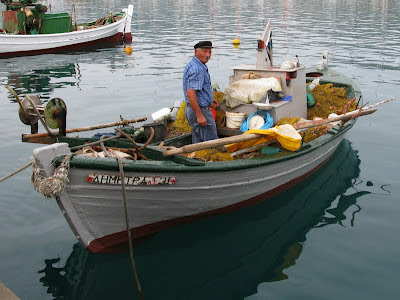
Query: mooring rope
(15, 172)
(72, 149)
(132, 260)
(53, 186)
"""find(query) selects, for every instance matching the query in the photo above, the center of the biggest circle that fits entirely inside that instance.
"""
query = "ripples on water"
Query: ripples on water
(305, 243)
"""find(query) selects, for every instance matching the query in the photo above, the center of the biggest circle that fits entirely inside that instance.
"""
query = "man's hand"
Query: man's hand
(201, 120)
(214, 103)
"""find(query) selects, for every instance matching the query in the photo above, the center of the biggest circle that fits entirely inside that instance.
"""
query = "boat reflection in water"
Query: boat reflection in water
(219, 258)
(42, 81)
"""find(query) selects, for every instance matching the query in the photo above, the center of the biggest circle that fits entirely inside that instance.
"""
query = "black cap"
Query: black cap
(203, 44)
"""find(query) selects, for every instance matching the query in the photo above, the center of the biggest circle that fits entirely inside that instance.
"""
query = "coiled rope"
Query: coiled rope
(54, 185)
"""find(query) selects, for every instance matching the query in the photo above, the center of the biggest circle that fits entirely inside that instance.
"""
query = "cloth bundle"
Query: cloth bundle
(247, 91)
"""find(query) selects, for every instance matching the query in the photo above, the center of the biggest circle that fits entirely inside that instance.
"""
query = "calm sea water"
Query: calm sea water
(333, 236)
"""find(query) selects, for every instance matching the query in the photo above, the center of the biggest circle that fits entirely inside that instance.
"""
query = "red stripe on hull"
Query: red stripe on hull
(116, 38)
(128, 37)
(116, 242)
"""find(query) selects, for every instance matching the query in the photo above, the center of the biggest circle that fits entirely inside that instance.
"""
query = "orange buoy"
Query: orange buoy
(128, 50)
(214, 113)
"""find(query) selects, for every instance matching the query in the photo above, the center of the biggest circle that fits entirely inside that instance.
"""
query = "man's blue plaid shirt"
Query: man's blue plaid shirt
(196, 77)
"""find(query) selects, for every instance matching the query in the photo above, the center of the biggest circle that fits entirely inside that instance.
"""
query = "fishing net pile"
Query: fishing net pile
(328, 99)
(180, 124)
(215, 154)
(111, 18)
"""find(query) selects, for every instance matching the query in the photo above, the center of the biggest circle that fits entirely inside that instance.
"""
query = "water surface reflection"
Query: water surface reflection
(43, 82)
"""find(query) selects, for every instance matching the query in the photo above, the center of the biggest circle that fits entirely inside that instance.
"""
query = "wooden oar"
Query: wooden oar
(252, 136)
(309, 124)
(124, 122)
(364, 111)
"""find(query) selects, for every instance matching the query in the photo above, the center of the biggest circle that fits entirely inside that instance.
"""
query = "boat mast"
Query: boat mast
(264, 49)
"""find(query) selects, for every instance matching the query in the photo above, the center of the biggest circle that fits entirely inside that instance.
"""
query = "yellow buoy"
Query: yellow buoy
(128, 50)
(236, 42)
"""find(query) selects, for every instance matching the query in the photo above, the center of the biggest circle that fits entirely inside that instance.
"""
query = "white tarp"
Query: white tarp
(247, 91)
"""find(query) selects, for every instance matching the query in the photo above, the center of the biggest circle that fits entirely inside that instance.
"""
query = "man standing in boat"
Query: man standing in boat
(199, 94)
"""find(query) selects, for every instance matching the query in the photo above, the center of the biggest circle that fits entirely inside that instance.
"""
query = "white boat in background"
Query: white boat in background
(30, 30)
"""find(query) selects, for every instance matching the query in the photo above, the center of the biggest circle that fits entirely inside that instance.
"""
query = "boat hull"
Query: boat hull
(269, 233)
(18, 45)
(96, 215)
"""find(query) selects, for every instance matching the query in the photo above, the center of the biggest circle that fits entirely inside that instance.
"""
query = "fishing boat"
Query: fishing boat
(161, 186)
(271, 233)
(29, 29)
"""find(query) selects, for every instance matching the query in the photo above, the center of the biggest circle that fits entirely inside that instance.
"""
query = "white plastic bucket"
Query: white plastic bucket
(234, 120)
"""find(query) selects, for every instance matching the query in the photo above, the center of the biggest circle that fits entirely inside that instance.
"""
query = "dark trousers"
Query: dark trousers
(201, 133)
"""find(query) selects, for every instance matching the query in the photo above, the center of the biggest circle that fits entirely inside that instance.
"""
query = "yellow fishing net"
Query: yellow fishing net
(328, 99)
(180, 125)
(214, 154)
(218, 96)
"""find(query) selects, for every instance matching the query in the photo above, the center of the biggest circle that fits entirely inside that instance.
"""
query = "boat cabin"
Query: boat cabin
(292, 79)
(293, 85)
(24, 17)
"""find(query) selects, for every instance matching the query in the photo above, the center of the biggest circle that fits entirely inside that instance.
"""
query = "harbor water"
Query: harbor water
(333, 236)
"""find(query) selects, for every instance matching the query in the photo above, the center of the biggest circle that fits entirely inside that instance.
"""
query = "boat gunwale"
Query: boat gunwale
(69, 33)
(180, 164)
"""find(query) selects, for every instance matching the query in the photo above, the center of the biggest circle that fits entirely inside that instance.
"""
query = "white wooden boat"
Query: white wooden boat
(60, 38)
(268, 234)
(167, 190)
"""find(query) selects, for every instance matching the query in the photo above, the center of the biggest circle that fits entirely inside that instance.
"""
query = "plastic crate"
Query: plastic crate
(56, 23)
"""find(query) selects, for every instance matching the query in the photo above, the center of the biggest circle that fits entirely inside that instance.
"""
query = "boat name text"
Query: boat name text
(129, 180)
